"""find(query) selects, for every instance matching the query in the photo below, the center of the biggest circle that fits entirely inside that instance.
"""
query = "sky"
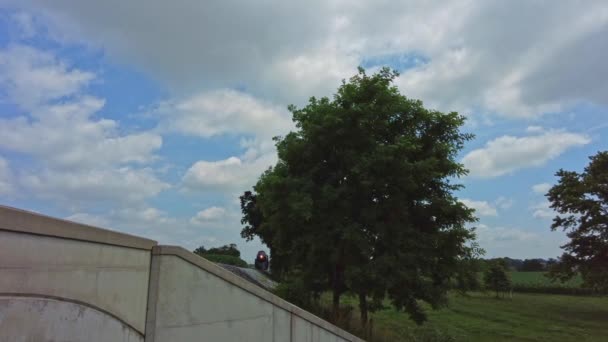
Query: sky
(152, 117)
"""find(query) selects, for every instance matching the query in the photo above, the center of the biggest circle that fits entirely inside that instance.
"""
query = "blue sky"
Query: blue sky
(152, 117)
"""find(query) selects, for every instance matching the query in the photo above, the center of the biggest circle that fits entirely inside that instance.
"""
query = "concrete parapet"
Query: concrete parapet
(61, 280)
(189, 295)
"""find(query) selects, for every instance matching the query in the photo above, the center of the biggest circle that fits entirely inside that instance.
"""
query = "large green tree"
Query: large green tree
(361, 198)
(581, 199)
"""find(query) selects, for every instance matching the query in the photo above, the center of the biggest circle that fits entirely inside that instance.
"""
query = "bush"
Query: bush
(295, 292)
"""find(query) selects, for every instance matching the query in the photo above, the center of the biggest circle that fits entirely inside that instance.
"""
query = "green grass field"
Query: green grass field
(525, 317)
(539, 279)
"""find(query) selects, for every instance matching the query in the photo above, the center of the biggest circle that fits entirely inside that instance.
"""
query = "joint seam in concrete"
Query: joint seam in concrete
(291, 327)
(173, 326)
(74, 301)
(153, 293)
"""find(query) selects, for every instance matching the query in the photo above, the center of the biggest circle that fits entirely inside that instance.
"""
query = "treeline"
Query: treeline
(504, 275)
(227, 254)
(525, 265)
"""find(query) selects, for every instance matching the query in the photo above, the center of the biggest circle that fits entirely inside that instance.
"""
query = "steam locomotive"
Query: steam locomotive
(261, 261)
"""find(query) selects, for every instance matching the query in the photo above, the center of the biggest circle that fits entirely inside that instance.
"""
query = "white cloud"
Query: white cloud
(6, 178)
(92, 220)
(224, 111)
(482, 208)
(82, 187)
(68, 137)
(472, 61)
(78, 158)
(227, 112)
(208, 214)
(31, 77)
(542, 210)
(507, 154)
(231, 174)
(491, 234)
(541, 188)
(518, 242)
(535, 129)
(504, 203)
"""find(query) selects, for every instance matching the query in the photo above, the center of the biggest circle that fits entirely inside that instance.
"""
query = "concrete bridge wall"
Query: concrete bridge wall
(63, 281)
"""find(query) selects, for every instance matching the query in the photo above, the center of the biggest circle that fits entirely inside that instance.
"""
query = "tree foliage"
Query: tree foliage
(230, 249)
(226, 259)
(361, 198)
(532, 265)
(581, 199)
(496, 278)
(468, 267)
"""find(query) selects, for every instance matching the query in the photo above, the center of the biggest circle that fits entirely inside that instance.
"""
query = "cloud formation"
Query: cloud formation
(542, 210)
(6, 178)
(541, 188)
(482, 208)
(234, 81)
(208, 214)
(507, 154)
(534, 67)
(79, 158)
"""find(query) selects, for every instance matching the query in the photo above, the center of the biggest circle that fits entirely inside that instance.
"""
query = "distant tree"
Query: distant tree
(230, 249)
(226, 259)
(467, 277)
(496, 278)
(581, 200)
(362, 198)
(200, 250)
(227, 254)
(532, 265)
(551, 262)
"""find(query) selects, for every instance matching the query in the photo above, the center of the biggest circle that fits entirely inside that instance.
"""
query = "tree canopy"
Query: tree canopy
(581, 200)
(227, 254)
(496, 278)
(532, 265)
(361, 198)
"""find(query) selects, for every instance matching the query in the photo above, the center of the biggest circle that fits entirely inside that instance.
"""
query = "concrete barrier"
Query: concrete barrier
(64, 281)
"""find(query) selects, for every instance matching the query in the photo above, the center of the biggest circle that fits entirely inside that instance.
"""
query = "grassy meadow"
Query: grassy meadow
(549, 315)
(481, 317)
(539, 279)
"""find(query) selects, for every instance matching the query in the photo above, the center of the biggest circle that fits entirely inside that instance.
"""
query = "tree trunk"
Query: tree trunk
(363, 309)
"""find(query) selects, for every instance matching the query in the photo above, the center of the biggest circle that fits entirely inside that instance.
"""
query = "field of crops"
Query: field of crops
(539, 279)
(536, 282)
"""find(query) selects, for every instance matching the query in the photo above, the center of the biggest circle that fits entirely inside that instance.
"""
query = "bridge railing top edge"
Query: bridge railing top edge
(22, 221)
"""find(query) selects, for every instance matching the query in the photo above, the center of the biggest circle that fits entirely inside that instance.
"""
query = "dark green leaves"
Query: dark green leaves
(581, 199)
(361, 198)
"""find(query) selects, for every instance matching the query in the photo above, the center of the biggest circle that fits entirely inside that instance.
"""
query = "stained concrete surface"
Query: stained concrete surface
(34, 319)
(112, 278)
